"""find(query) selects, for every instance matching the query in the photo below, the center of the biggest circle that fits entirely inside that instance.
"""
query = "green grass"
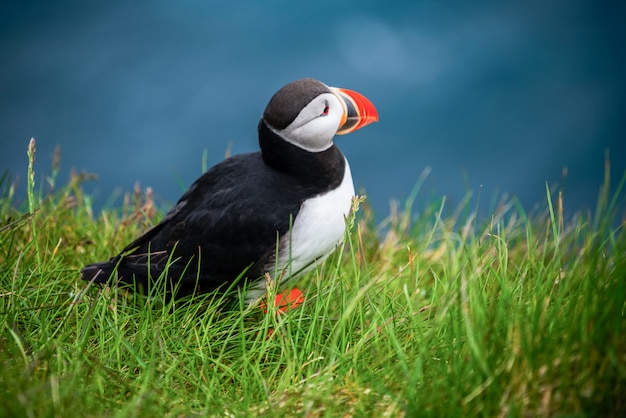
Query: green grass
(432, 313)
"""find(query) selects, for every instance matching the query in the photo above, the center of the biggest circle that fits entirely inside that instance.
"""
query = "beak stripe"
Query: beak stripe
(352, 115)
(358, 111)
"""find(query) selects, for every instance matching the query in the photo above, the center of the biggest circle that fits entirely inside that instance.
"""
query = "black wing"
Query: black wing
(228, 221)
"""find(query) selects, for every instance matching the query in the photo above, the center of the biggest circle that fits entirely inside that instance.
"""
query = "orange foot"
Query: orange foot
(287, 300)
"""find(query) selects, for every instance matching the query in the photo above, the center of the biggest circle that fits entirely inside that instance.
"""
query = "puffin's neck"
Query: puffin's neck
(324, 169)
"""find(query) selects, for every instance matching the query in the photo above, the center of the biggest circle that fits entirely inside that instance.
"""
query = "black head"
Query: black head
(308, 114)
(286, 104)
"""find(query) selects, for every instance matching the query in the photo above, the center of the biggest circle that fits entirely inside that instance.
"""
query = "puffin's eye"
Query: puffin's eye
(326, 108)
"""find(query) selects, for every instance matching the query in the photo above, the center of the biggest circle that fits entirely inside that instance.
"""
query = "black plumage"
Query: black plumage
(228, 221)
(237, 214)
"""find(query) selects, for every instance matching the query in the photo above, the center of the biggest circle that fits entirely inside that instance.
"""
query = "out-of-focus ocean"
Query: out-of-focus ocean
(494, 97)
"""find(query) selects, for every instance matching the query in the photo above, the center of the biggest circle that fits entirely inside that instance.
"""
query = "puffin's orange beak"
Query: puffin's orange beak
(358, 111)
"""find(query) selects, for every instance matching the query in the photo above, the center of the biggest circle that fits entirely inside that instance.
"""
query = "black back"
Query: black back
(229, 220)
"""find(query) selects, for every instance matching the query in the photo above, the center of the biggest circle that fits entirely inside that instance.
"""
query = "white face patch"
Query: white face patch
(316, 125)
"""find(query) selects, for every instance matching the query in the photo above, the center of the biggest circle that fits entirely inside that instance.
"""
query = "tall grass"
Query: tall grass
(434, 313)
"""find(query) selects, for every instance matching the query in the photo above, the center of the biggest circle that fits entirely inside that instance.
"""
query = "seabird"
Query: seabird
(278, 211)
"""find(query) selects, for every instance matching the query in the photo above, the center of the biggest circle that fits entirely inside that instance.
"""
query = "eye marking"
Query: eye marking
(326, 108)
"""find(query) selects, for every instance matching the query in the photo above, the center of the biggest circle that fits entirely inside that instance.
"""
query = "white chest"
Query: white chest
(317, 230)
(319, 227)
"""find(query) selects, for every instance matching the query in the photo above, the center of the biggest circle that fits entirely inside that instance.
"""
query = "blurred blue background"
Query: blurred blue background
(495, 97)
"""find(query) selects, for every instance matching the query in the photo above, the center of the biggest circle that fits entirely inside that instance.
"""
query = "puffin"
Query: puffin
(272, 214)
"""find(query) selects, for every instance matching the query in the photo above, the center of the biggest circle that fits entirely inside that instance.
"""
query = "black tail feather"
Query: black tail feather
(97, 272)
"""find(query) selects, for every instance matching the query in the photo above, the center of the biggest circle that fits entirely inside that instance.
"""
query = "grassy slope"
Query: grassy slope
(436, 316)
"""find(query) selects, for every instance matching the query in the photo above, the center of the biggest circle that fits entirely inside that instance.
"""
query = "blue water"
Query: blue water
(494, 97)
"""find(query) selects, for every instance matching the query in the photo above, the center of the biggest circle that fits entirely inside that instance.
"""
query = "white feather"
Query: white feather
(317, 230)
(312, 130)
